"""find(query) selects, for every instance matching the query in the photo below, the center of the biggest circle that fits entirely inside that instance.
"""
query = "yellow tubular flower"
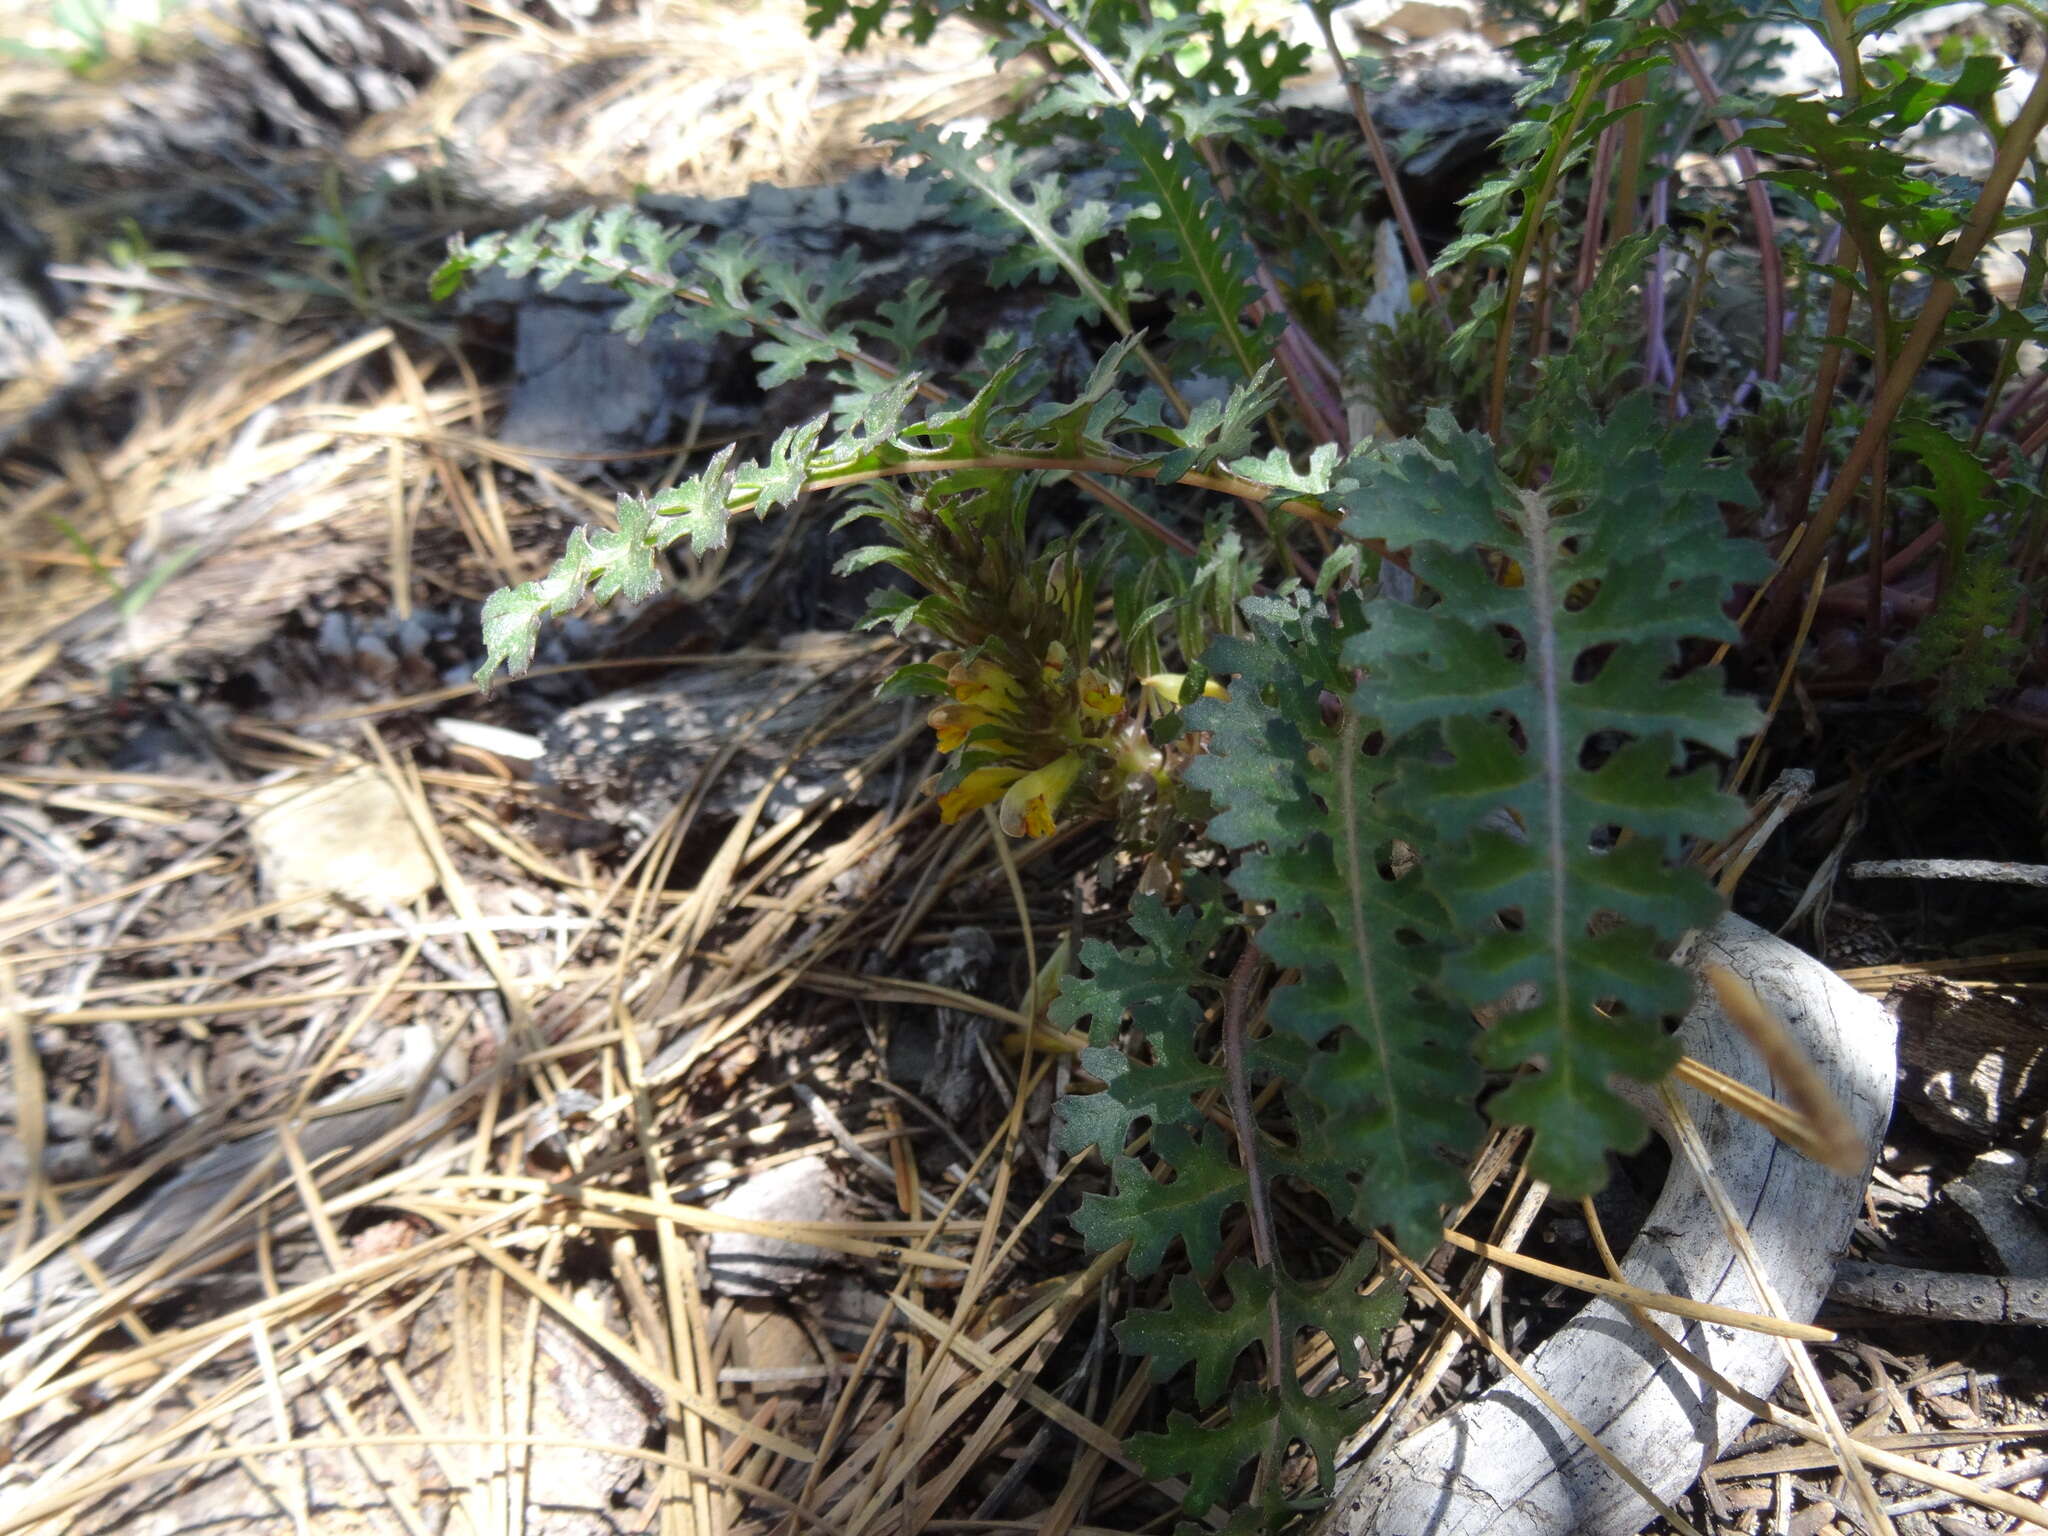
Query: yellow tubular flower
(982, 684)
(979, 788)
(1100, 698)
(1030, 804)
(953, 722)
(1167, 685)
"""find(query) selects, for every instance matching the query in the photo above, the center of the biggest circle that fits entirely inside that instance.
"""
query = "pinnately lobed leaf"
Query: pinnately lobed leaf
(1193, 245)
(1293, 787)
(1550, 725)
(1160, 984)
(1261, 1425)
(1189, 1330)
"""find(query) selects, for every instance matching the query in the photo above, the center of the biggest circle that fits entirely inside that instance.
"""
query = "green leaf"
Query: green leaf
(1967, 647)
(1190, 1330)
(1190, 242)
(898, 610)
(696, 509)
(918, 680)
(1260, 1426)
(449, 276)
(1277, 470)
(1962, 489)
(1059, 228)
(908, 321)
(1158, 985)
(1150, 1212)
(1292, 781)
(1544, 717)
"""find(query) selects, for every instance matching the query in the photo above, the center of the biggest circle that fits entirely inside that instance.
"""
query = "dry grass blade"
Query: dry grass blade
(345, 453)
(887, 990)
(1481, 1289)
(1826, 1134)
(59, 1504)
(1870, 1454)
(26, 1068)
(1756, 742)
(840, 1237)
(622, 1351)
(984, 1362)
(1655, 1301)
(1780, 1119)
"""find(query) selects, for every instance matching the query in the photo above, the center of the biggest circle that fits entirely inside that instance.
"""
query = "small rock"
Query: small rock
(348, 838)
(747, 1264)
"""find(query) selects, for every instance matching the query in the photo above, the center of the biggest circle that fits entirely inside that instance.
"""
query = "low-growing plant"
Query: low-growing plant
(1444, 704)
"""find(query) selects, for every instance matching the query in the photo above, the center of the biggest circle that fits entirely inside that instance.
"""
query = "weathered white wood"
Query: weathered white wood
(1501, 1464)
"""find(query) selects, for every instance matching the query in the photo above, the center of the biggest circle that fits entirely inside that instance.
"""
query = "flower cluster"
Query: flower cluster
(1039, 737)
(1031, 722)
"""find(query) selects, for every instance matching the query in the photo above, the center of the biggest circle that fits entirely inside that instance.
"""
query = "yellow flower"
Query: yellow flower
(954, 722)
(1030, 803)
(1055, 663)
(983, 684)
(1169, 684)
(979, 788)
(1100, 698)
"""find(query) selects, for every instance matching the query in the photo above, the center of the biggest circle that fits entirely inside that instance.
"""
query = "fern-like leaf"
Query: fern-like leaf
(1058, 229)
(1546, 697)
(1189, 1330)
(1159, 985)
(1192, 244)
(1261, 1425)
(1293, 784)
(1150, 1212)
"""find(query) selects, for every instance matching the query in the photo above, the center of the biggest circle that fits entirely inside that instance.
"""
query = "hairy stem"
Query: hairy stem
(1551, 169)
(1772, 262)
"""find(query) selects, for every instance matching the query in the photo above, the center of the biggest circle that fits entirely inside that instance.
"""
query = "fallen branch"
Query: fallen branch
(1993, 871)
(1937, 1294)
(1504, 1464)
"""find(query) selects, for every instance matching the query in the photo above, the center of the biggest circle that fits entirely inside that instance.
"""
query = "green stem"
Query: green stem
(2026, 126)
(1525, 239)
(1222, 482)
